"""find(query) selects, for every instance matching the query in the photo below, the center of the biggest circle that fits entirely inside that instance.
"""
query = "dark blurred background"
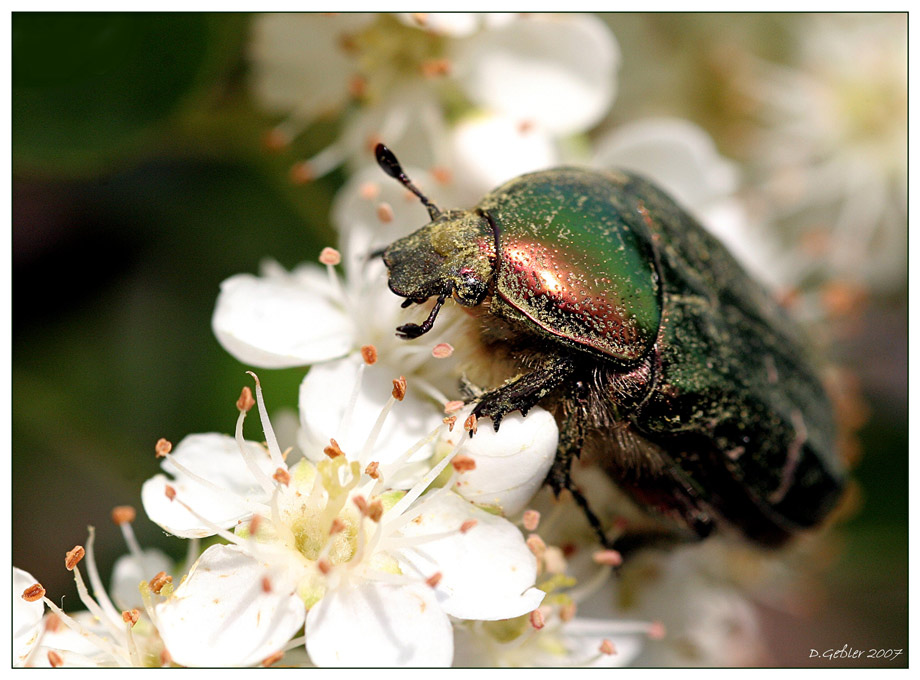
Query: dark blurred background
(140, 182)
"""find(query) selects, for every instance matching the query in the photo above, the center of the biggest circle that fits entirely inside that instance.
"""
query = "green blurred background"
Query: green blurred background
(140, 182)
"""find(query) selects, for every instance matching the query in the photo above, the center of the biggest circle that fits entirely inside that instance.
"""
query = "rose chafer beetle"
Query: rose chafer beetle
(666, 365)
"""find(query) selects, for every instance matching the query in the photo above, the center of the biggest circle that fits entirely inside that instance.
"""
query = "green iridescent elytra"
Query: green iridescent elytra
(675, 372)
(572, 266)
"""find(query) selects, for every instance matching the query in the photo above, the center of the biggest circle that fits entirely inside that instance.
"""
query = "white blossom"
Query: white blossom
(831, 152)
(710, 619)
(103, 636)
(411, 79)
(332, 547)
(501, 479)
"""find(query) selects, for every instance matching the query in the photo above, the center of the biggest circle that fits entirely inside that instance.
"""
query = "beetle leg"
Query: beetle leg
(413, 330)
(525, 392)
(571, 440)
(469, 390)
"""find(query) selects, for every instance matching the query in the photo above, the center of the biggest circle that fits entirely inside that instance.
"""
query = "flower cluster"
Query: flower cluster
(484, 97)
(829, 154)
(369, 570)
(378, 560)
(115, 630)
(382, 533)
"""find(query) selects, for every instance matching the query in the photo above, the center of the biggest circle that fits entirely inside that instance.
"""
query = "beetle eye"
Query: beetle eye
(470, 290)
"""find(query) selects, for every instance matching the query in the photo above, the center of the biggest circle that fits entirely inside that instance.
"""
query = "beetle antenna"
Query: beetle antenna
(386, 159)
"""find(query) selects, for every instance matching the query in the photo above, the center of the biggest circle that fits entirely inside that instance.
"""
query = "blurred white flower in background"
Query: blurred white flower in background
(424, 82)
(682, 605)
(710, 619)
(832, 149)
(560, 633)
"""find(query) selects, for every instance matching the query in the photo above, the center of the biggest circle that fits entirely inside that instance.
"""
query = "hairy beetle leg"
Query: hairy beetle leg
(470, 390)
(523, 393)
(571, 441)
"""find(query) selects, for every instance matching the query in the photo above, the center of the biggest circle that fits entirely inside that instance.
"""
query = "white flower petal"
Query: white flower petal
(74, 648)
(558, 71)
(489, 150)
(572, 644)
(379, 624)
(27, 617)
(69, 659)
(452, 24)
(298, 62)
(583, 637)
(216, 458)
(128, 573)
(511, 464)
(221, 616)
(273, 323)
(675, 154)
(487, 573)
(216, 507)
(324, 398)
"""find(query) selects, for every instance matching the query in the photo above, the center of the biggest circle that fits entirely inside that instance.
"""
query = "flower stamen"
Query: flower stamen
(163, 446)
(442, 350)
(369, 354)
(33, 593)
(273, 448)
(333, 450)
(463, 464)
(537, 619)
(384, 212)
(453, 406)
(531, 520)
(272, 659)
(93, 573)
(73, 557)
(159, 581)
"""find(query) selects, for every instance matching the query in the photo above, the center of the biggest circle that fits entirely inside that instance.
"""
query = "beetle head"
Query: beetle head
(451, 256)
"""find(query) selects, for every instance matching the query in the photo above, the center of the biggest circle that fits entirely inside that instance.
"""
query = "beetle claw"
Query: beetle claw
(409, 331)
(495, 414)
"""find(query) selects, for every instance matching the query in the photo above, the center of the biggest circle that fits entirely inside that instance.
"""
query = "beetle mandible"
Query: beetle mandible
(664, 362)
